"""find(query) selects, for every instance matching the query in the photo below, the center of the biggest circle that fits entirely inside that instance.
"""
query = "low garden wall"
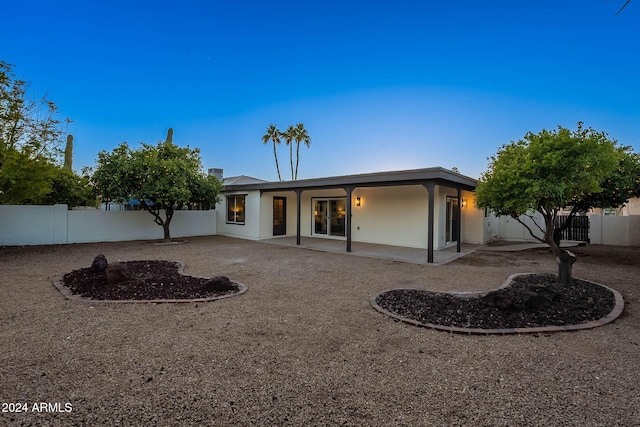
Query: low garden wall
(47, 225)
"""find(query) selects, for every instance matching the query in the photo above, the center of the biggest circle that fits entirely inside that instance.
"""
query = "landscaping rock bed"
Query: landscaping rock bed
(531, 300)
(143, 280)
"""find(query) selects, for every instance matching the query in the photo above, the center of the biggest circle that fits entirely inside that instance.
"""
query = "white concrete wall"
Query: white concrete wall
(511, 229)
(266, 219)
(603, 230)
(474, 229)
(615, 230)
(46, 225)
(251, 227)
(391, 216)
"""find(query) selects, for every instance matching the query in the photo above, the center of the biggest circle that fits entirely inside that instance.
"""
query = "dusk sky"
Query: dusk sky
(379, 85)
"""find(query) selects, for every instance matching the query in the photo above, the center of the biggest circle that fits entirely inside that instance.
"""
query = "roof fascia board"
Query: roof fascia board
(411, 177)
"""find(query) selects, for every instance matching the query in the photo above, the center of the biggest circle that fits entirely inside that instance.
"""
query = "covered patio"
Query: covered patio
(372, 250)
(343, 194)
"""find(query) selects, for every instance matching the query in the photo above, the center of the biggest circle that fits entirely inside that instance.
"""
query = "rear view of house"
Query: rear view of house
(423, 208)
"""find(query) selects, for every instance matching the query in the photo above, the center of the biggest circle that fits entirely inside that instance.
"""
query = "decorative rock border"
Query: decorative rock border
(58, 282)
(617, 311)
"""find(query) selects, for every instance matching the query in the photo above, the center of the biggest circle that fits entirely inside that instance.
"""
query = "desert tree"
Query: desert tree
(162, 177)
(30, 139)
(554, 170)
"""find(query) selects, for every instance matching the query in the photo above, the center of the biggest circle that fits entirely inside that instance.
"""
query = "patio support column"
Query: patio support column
(349, 190)
(430, 186)
(459, 221)
(298, 202)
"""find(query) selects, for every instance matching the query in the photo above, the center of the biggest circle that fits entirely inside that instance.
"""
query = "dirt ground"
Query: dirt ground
(303, 346)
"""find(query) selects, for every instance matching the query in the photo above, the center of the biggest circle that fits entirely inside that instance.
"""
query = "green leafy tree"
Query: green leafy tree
(163, 177)
(546, 172)
(301, 135)
(69, 188)
(30, 138)
(289, 136)
(273, 135)
(617, 188)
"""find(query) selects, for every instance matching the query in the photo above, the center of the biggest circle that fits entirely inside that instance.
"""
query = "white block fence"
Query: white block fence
(615, 230)
(50, 225)
(603, 230)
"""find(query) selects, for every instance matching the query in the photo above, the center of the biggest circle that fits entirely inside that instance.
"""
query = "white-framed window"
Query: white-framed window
(236, 209)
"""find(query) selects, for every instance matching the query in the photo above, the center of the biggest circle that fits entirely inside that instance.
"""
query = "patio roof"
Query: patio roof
(438, 176)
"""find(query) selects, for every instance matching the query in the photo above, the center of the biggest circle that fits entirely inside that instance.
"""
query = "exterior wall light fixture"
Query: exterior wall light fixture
(463, 203)
(358, 201)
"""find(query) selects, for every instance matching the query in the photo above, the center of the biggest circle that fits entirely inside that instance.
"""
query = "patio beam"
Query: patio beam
(430, 186)
(459, 221)
(298, 203)
(349, 190)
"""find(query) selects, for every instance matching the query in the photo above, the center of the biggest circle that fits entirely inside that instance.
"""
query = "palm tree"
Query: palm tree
(301, 135)
(273, 134)
(289, 135)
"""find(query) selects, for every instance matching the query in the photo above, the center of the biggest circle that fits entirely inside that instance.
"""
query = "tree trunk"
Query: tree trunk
(564, 258)
(291, 159)
(165, 224)
(275, 155)
(565, 261)
(297, 160)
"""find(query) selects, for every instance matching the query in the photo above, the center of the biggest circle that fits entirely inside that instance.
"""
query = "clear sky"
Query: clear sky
(380, 85)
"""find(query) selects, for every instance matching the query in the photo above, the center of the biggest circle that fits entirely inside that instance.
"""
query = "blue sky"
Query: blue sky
(380, 85)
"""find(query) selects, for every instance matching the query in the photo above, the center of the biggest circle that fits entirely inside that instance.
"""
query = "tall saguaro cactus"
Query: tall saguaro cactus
(68, 154)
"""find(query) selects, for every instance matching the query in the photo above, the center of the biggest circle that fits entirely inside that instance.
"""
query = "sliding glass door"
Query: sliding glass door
(329, 216)
(451, 232)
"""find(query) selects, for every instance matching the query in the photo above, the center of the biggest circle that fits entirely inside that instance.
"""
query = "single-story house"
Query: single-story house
(430, 208)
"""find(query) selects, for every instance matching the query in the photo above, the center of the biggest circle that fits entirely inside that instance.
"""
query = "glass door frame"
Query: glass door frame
(451, 220)
(328, 217)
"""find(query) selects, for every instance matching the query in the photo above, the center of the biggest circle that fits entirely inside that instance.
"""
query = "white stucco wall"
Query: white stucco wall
(113, 226)
(266, 220)
(391, 216)
(251, 227)
(511, 229)
(46, 225)
(474, 228)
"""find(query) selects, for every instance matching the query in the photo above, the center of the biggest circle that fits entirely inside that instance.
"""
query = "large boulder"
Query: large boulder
(99, 264)
(219, 284)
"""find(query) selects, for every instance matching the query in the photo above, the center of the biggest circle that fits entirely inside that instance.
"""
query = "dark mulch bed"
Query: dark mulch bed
(145, 280)
(530, 301)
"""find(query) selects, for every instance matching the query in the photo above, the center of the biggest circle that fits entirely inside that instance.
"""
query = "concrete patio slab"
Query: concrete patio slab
(372, 250)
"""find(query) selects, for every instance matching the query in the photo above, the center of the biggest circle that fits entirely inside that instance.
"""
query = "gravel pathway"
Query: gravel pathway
(303, 346)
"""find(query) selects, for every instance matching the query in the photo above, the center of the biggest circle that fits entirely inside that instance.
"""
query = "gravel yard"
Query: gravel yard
(303, 346)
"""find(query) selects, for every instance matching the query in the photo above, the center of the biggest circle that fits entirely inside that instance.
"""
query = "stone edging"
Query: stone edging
(617, 311)
(58, 282)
